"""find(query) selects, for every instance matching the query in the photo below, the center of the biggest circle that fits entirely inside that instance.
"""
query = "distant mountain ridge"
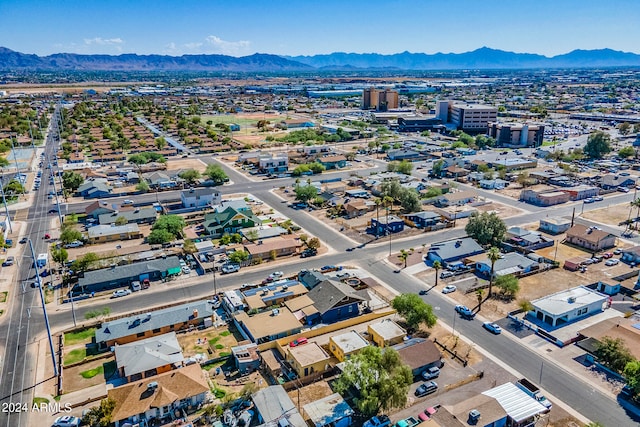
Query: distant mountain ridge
(483, 58)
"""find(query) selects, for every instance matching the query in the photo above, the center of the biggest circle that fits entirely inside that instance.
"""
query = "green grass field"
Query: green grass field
(83, 336)
(229, 119)
(92, 372)
(3, 296)
(75, 356)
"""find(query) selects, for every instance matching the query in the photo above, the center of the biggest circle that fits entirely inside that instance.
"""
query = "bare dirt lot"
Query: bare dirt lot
(197, 164)
(612, 215)
(218, 340)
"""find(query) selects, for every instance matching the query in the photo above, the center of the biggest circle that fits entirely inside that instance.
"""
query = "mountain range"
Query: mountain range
(483, 58)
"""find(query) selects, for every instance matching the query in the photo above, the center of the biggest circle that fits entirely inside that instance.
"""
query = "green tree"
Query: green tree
(313, 243)
(304, 193)
(437, 265)
(159, 236)
(100, 416)
(380, 377)
(613, 353)
(626, 152)
(405, 167)
(189, 247)
(493, 254)
(191, 176)
(139, 160)
(409, 200)
(631, 375)
(316, 167)
(121, 220)
(404, 255)
(160, 143)
(525, 305)
(216, 174)
(174, 224)
(238, 256)
(523, 179)
(414, 310)
(13, 188)
(59, 255)
(273, 255)
(624, 128)
(508, 285)
(598, 144)
(142, 186)
(83, 263)
(69, 235)
(438, 167)
(486, 228)
(71, 180)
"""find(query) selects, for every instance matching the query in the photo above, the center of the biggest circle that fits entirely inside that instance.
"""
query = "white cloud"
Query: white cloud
(117, 41)
(171, 48)
(227, 47)
(193, 46)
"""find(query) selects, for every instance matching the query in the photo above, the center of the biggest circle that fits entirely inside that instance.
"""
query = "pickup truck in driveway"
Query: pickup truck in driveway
(533, 391)
(379, 421)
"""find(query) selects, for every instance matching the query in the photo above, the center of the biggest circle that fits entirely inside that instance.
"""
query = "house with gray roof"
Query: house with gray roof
(310, 278)
(454, 250)
(200, 197)
(145, 325)
(335, 301)
(276, 409)
(112, 232)
(422, 219)
(122, 275)
(99, 187)
(510, 263)
(148, 357)
(138, 216)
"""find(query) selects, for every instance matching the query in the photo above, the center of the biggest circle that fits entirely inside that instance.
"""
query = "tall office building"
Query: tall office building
(379, 99)
(472, 118)
(516, 134)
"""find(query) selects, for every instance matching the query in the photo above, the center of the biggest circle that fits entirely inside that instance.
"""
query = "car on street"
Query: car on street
(47, 236)
(492, 327)
(127, 202)
(598, 198)
(52, 211)
(422, 292)
(426, 388)
(448, 289)
(120, 293)
(309, 252)
(67, 421)
(23, 240)
(463, 310)
(276, 275)
(431, 373)
(612, 262)
(589, 200)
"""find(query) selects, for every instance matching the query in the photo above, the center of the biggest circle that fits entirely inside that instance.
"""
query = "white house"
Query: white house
(200, 197)
(274, 162)
(568, 306)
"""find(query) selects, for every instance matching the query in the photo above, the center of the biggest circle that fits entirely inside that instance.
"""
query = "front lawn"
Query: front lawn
(75, 356)
(82, 336)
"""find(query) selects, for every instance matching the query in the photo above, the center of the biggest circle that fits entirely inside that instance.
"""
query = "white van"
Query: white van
(135, 286)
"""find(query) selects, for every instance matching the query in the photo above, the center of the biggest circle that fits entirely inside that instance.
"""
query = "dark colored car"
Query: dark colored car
(426, 388)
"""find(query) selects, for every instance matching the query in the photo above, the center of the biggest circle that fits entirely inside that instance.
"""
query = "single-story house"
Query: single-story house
(554, 225)
(112, 232)
(335, 301)
(148, 357)
(94, 189)
(523, 238)
(267, 326)
(159, 398)
(246, 358)
(138, 216)
(568, 306)
(310, 278)
(330, 411)
(139, 326)
(344, 345)
(357, 193)
(617, 327)
(611, 182)
(419, 354)
(510, 263)
(200, 197)
(273, 294)
(333, 162)
(97, 208)
(275, 408)
(545, 197)
(262, 232)
(467, 412)
(493, 184)
(453, 250)
(521, 408)
(457, 198)
(590, 238)
(358, 207)
(278, 246)
(422, 219)
(308, 359)
(386, 333)
(386, 224)
(122, 275)
(631, 255)
(404, 154)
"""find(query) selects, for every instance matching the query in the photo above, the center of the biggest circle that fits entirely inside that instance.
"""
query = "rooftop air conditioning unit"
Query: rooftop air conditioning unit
(152, 385)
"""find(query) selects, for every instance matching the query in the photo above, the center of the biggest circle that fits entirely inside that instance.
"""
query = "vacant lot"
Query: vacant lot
(197, 164)
(612, 215)
(219, 341)
(88, 374)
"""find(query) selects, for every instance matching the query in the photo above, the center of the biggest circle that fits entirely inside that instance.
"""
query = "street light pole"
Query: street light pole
(44, 309)
(6, 208)
(73, 310)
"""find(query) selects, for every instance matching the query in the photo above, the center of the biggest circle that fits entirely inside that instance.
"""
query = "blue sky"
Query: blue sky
(243, 27)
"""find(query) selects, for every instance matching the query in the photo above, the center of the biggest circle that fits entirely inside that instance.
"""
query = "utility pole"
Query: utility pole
(56, 194)
(6, 208)
(44, 309)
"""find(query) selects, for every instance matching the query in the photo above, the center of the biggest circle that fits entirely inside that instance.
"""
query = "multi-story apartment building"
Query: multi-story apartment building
(516, 134)
(379, 99)
(471, 118)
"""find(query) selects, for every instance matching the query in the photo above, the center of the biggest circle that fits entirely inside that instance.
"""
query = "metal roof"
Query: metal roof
(328, 410)
(516, 403)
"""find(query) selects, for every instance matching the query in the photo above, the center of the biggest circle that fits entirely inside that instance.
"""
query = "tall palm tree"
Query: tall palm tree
(377, 201)
(493, 254)
(636, 204)
(437, 265)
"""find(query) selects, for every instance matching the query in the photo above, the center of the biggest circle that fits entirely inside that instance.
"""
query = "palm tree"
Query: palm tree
(437, 265)
(377, 201)
(480, 295)
(493, 254)
(403, 256)
(635, 204)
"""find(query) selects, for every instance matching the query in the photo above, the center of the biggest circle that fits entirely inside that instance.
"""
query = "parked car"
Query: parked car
(67, 421)
(230, 268)
(623, 189)
(598, 198)
(9, 261)
(446, 274)
(426, 388)
(431, 373)
(276, 275)
(611, 262)
(298, 341)
(492, 327)
(74, 244)
(448, 289)
(308, 253)
(607, 255)
(121, 293)
(186, 270)
(617, 251)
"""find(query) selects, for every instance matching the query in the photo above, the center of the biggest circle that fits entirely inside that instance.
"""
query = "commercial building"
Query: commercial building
(515, 135)
(379, 99)
(470, 118)
(544, 197)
